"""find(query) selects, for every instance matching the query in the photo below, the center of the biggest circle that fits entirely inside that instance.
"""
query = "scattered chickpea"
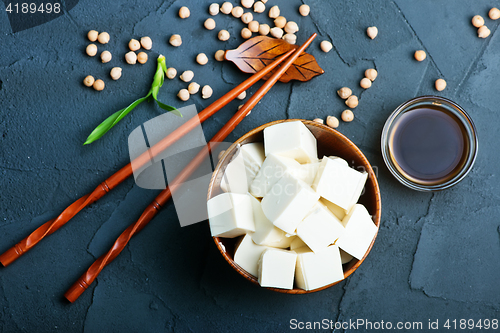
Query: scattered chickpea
(243, 95)
(237, 11)
(219, 55)
(247, 18)
(221, 154)
(264, 29)
(264, 1)
(304, 10)
(290, 38)
(98, 85)
(344, 92)
(246, 33)
(92, 35)
(365, 83)
(171, 73)
(209, 24)
(187, 76)
(332, 121)
(291, 27)
(494, 14)
(223, 35)
(183, 95)
(478, 21)
(372, 32)
(146, 43)
(347, 116)
(319, 121)
(483, 32)
(213, 9)
(91, 50)
(326, 46)
(420, 55)
(134, 45)
(206, 92)
(106, 56)
(247, 3)
(226, 7)
(184, 12)
(142, 57)
(276, 32)
(131, 58)
(202, 58)
(280, 22)
(259, 7)
(352, 101)
(253, 26)
(240, 106)
(440, 84)
(371, 74)
(248, 113)
(103, 38)
(116, 73)
(274, 12)
(193, 88)
(88, 81)
(175, 40)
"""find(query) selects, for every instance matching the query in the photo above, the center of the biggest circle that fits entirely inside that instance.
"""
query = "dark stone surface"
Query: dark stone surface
(436, 255)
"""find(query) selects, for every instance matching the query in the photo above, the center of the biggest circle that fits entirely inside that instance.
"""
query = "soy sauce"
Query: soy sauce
(429, 144)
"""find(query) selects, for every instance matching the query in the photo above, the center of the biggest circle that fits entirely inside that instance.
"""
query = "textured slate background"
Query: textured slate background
(436, 255)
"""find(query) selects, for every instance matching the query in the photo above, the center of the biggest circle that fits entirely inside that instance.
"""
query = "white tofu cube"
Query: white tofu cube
(308, 172)
(265, 232)
(338, 159)
(277, 268)
(320, 228)
(291, 139)
(359, 232)
(339, 183)
(336, 210)
(346, 257)
(230, 215)
(237, 178)
(297, 243)
(273, 168)
(253, 155)
(288, 202)
(316, 270)
(247, 255)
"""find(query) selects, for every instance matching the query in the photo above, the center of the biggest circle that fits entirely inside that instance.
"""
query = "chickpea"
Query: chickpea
(214, 9)
(326, 46)
(290, 38)
(352, 101)
(187, 76)
(347, 116)
(246, 33)
(237, 11)
(365, 83)
(243, 95)
(219, 55)
(304, 10)
(483, 32)
(171, 73)
(202, 58)
(280, 22)
(371, 74)
(116, 73)
(478, 21)
(223, 35)
(274, 12)
(183, 95)
(291, 27)
(175, 40)
(98, 85)
(103, 38)
(91, 50)
(142, 57)
(264, 1)
(344, 92)
(494, 14)
(420, 55)
(131, 58)
(226, 7)
(264, 29)
(146, 43)
(106, 56)
(193, 88)
(247, 18)
(253, 26)
(206, 92)
(372, 32)
(134, 45)
(184, 12)
(88, 81)
(319, 121)
(247, 3)
(92, 35)
(209, 24)
(440, 84)
(332, 121)
(276, 32)
(259, 7)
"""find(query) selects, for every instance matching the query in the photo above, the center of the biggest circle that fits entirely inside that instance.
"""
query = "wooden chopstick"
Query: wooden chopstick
(51, 226)
(93, 271)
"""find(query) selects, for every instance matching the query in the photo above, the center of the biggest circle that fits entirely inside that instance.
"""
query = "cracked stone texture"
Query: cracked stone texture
(436, 255)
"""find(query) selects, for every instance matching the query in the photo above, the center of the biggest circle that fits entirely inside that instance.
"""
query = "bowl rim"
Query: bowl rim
(371, 177)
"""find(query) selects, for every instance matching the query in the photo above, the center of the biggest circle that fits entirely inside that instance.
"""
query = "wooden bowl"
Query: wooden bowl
(330, 142)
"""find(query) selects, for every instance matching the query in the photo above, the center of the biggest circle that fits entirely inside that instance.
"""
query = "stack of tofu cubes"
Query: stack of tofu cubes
(297, 216)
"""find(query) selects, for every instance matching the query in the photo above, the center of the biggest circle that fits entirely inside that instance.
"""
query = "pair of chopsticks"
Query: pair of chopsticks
(51, 226)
